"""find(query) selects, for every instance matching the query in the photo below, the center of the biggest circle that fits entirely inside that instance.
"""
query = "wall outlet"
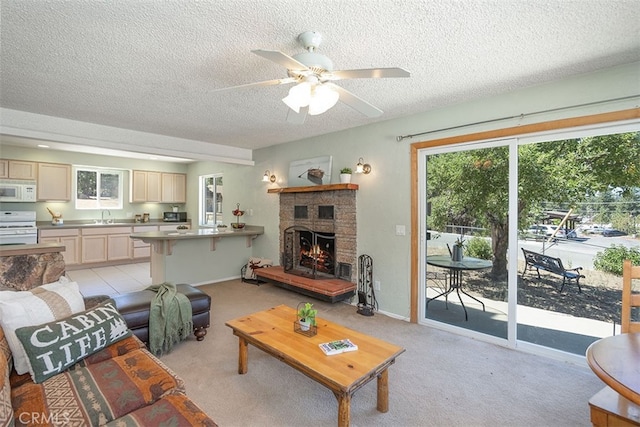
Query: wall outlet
(376, 285)
(400, 230)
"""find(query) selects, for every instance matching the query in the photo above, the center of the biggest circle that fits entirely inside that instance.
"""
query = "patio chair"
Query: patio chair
(629, 298)
(438, 280)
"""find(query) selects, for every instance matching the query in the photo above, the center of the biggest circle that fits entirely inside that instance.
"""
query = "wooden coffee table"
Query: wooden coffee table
(272, 332)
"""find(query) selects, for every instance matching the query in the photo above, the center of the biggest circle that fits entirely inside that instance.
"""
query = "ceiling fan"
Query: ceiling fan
(313, 73)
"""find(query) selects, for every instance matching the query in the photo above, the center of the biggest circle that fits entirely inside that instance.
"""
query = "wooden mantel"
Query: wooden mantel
(314, 188)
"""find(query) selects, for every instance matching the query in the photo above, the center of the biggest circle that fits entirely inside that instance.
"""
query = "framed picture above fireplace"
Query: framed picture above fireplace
(314, 171)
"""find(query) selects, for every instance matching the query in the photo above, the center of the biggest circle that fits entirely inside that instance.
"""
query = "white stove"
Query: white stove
(18, 227)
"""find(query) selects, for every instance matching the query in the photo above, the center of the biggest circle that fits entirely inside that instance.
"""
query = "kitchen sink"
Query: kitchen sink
(106, 223)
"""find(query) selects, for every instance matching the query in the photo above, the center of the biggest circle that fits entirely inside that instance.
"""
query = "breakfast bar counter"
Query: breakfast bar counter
(200, 255)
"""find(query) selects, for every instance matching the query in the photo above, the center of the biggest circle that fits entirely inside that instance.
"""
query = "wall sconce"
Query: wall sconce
(363, 168)
(268, 177)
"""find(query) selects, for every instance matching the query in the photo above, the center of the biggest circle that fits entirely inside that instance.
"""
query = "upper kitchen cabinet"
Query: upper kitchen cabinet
(151, 186)
(174, 188)
(18, 169)
(146, 186)
(54, 182)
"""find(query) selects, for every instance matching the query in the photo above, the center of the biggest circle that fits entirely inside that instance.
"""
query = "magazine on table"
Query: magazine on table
(336, 347)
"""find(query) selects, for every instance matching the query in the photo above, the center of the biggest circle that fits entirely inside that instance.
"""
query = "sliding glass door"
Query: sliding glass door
(544, 221)
(580, 197)
(467, 196)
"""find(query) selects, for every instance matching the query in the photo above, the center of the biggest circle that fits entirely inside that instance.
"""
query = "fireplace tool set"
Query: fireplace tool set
(367, 302)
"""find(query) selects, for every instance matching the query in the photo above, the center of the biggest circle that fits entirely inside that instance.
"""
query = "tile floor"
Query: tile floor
(112, 280)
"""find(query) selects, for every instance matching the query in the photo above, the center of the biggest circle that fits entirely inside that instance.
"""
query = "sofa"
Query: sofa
(84, 369)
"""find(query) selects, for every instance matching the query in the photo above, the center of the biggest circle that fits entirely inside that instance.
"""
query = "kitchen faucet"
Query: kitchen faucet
(102, 214)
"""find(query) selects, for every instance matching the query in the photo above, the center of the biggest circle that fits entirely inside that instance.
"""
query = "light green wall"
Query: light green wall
(67, 209)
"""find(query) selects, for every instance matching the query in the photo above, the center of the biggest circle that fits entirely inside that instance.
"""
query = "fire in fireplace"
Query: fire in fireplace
(309, 253)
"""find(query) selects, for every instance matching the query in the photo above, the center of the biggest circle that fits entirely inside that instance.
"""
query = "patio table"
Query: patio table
(455, 276)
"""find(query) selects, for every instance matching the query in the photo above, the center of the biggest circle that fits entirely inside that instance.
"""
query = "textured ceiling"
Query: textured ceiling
(154, 66)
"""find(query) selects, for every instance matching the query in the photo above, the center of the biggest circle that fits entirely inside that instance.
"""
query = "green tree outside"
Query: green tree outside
(470, 188)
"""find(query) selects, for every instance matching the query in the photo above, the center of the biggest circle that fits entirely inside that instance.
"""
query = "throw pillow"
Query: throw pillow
(253, 264)
(55, 346)
(42, 304)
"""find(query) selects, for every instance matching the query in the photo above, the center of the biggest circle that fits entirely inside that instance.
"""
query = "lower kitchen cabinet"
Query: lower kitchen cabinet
(69, 237)
(94, 249)
(102, 244)
(118, 247)
(140, 248)
(108, 245)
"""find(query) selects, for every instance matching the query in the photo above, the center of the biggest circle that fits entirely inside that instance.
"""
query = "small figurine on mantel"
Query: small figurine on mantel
(237, 213)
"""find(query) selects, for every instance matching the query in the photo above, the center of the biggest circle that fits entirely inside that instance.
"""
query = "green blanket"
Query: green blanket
(170, 318)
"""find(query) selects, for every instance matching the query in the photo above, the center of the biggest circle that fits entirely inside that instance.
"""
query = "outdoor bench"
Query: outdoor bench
(552, 265)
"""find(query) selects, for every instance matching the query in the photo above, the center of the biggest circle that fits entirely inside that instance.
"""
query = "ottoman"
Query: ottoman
(135, 306)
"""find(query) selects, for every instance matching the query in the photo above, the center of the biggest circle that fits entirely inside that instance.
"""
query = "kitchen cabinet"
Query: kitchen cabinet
(102, 244)
(146, 186)
(118, 246)
(69, 237)
(18, 169)
(141, 249)
(174, 188)
(54, 182)
(94, 249)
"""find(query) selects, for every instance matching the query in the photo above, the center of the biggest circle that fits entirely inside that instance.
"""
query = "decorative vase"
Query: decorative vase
(457, 253)
(345, 178)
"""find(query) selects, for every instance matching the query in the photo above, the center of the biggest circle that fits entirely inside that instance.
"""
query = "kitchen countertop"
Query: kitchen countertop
(43, 225)
(39, 248)
(197, 233)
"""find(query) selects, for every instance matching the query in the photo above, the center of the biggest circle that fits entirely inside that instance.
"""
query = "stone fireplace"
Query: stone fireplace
(318, 231)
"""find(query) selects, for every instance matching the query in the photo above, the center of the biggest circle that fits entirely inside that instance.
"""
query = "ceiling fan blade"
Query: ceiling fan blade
(297, 118)
(368, 73)
(281, 58)
(258, 84)
(355, 102)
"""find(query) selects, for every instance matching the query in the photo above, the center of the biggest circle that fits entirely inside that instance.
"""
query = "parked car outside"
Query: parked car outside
(547, 230)
(609, 232)
(594, 229)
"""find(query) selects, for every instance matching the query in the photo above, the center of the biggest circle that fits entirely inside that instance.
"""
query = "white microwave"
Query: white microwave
(13, 190)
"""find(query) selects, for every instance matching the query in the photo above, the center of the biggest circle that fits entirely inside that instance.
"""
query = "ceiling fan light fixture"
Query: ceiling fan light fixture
(299, 96)
(322, 99)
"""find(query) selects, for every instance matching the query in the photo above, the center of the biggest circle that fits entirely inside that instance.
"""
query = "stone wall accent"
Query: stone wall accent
(24, 272)
(343, 224)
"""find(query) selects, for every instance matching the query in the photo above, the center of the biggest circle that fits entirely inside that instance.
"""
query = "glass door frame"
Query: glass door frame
(513, 137)
(422, 250)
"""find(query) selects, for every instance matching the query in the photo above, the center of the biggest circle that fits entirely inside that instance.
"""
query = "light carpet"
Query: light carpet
(441, 380)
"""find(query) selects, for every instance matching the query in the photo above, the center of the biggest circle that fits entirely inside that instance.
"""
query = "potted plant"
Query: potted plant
(307, 316)
(345, 175)
(458, 249)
